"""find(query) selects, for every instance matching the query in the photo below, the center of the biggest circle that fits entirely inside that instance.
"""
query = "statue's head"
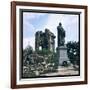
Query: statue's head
(60, 24)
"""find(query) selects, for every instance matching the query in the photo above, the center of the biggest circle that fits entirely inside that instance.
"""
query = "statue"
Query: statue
(61, 35)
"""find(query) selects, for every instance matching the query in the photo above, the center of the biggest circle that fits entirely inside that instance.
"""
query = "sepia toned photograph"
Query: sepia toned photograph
(51, 45)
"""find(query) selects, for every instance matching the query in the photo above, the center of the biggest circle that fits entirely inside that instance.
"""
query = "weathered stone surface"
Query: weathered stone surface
(62, 54)
(44, 40)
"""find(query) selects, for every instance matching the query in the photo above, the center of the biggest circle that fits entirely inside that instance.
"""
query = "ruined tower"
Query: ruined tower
(45, 40)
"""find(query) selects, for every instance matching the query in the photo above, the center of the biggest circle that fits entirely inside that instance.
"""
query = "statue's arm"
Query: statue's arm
(64, 34)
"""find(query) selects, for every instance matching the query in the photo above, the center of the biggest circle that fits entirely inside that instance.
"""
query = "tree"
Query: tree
(37, 63)
(27, 55)
(73, 51)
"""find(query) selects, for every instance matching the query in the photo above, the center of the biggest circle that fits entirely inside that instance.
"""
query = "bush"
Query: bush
(39, 62)
(73, 51)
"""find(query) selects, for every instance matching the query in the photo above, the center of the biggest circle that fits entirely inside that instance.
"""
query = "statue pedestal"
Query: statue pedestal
(62, 54)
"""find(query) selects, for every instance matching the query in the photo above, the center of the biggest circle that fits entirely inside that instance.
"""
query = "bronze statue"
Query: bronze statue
(61, 35)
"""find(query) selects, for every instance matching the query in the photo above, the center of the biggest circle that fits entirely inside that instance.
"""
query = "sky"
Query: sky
(33, 22)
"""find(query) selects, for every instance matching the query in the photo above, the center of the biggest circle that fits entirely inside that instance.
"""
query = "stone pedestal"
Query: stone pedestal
(62, 54)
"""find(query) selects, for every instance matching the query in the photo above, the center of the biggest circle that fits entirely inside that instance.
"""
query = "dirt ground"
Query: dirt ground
(64, 71)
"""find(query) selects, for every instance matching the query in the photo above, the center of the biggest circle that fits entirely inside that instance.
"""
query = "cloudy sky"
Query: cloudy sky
(33, 22)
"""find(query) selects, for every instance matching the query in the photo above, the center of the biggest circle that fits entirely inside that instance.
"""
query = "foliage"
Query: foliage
(26, 55)
(44, 52)
(38, 63)
(73, 50)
